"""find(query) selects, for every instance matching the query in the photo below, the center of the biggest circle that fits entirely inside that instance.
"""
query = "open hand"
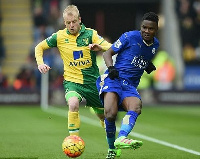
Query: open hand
(43, 68)
(95, 47)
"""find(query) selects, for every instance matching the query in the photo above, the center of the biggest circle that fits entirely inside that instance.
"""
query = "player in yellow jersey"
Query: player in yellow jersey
(77, 46)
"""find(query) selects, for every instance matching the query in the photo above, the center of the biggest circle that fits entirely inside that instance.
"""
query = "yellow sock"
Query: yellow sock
(73, 123)
(102, 124)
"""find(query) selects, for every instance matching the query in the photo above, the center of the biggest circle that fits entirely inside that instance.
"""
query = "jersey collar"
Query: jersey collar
(147, 44)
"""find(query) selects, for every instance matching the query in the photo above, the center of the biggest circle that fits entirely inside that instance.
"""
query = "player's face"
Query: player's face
(72, 23)
(148, 30)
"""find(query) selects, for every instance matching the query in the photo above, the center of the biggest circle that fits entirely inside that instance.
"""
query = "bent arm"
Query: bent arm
(105, 45)
(107, 56)
(39, 49)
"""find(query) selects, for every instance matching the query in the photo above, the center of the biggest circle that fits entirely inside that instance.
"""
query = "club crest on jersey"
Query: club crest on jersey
(138, 61)
(85, 41)
(153, 51)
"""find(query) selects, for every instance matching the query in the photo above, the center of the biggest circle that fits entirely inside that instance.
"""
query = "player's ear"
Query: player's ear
(79, 20)
(157, 26)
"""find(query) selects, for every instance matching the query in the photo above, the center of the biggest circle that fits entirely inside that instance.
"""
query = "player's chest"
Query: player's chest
(72, 42)
(141, 50)
(74, 49)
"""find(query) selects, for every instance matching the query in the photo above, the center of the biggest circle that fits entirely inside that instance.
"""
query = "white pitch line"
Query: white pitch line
(87, 120)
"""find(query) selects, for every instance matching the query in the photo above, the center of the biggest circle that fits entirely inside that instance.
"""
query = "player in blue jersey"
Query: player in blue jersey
(118, 85)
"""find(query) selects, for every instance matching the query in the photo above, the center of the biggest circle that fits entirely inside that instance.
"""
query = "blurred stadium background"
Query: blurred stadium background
(173, 87)
(23, 25)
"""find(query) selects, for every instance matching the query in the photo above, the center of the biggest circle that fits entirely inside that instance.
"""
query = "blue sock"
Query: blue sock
(110, 133)
(128, 123)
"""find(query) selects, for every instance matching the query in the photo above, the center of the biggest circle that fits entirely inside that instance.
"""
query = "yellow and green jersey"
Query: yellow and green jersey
(79, 61)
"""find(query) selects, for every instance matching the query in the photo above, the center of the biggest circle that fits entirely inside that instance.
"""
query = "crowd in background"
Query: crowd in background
(3, 78)
(2, 47)
(47, 19)
(188, 13)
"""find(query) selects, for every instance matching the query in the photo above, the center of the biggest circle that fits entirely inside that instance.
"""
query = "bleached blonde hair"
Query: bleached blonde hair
(71, 10)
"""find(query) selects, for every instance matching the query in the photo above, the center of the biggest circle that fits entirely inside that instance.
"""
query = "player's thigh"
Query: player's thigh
(72, 90)
(132, 103)
(91, 95)
(111, 103)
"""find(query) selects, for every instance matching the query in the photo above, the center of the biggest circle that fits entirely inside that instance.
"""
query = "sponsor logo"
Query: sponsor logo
(138, 61)
(78, 55)
(79, 63)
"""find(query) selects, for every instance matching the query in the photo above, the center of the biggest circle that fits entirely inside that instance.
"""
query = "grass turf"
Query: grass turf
(28, 133)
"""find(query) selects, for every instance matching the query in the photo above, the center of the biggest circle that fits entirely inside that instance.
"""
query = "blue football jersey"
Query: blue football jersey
(133, 56)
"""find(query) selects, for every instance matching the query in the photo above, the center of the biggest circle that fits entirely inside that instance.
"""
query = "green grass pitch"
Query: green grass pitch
(27, 132)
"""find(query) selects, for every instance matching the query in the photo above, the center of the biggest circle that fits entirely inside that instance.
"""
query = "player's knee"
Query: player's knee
(74, 107)
(73, 103)
(110, 116)
(139, 112)
(138, 109)
(135, 108)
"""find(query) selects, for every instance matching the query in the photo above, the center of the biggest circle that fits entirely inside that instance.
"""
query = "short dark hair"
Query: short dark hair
(151, 16)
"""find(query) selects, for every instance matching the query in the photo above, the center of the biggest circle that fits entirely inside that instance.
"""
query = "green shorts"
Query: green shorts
(87, 91)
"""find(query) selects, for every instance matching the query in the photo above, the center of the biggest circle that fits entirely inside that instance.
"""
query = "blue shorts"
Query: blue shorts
(120, 86)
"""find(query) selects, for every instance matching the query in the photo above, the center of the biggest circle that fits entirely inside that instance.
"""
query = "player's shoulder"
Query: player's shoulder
(156, 42)
(86, 31)
(60, 33)
(89, 30)
(132, 34)
(92, 33)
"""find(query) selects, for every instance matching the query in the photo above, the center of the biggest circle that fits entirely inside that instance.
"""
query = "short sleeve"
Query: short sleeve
(120, 44)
